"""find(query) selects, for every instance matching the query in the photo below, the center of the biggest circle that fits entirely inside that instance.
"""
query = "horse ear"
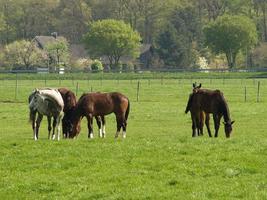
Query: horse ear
(199, 86)
(194, 85)
(232, 122)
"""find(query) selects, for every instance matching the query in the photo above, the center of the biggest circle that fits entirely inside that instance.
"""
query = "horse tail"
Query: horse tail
(127, 111)
(189, 103)
(31, 116)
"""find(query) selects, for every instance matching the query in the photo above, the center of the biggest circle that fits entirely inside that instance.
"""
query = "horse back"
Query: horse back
(99, 104)
(207, 100)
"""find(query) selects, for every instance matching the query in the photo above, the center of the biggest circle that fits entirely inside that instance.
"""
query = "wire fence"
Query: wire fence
(239, 90)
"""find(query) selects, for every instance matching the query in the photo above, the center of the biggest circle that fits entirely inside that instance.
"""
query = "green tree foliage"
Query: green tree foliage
(230, 34)
(72, 16)
(96, 66)
(22, 53)
(58, 52)
(113, 39)
(171, 48)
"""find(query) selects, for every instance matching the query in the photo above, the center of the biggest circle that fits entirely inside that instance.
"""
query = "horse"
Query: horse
(100, 104)
(199, 124)
(211, 101)
(33, 113)
(70, 102)
(46, 102)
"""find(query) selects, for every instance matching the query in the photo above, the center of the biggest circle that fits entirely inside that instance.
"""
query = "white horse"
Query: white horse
(47, 102)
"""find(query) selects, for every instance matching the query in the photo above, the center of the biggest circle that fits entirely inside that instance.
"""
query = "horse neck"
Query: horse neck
(225, 111)
(77, 113)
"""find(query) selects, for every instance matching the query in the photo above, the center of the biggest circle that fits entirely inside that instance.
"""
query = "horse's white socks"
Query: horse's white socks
(124, 134)
(100, 133)
(91, 135)
(104, 131)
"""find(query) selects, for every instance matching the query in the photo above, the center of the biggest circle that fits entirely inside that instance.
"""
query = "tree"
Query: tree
(171, 48)
(113, 39)
(230, 34)
(58, 51)
(22, 53)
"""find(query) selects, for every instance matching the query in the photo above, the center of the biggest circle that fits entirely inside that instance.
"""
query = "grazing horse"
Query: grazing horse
(46, 102)
(210, 101)
(100, 104)
(70, 102)
(199, 124)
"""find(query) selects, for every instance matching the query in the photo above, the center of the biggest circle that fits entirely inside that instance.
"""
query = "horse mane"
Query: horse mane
(224, 107)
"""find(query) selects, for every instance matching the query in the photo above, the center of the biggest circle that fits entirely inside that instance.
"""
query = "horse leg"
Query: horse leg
(38, 122)
(33, 118)
(103, 126)
(194, 125)
(58, 124)
(119, 120)
(207, 122)
(54, 127)
(201, 122)
(49, 126)
(216, 119)
(90, 126)
(124, 125)
(98, 121)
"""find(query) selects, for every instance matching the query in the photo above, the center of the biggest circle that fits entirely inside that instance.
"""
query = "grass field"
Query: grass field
(158, 160)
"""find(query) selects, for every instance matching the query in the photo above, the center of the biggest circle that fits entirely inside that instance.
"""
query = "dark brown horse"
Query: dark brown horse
(100, 104)
(70, 102)
(210, 101)
(202, 115)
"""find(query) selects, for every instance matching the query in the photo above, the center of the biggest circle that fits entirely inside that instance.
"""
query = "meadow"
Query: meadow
(158, 160)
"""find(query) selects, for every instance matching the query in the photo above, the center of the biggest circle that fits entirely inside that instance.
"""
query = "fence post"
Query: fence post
(245, 93)
(77, 88)
(138, 89)
(45, 80)
(16, 87)
(91, 88)
(258, 93)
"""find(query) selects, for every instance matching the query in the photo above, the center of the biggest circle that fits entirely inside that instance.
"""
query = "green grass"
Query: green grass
(158, 160)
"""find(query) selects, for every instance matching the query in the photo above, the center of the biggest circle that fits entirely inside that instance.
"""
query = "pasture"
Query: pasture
(158, 160)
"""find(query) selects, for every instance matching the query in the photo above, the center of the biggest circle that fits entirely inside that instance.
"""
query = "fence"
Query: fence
(240, 89)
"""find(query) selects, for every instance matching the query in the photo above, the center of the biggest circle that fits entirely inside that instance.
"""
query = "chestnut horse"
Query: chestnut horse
(202, 115)
(100, 104)
(46, 102)
(211, 101)
(70, 102)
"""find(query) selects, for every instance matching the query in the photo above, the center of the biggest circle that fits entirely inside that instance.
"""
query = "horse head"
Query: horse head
(71, 126)
(70, 100)
(228, 128)
(195, 87)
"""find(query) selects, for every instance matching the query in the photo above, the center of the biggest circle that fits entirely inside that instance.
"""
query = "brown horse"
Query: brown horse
(210, 101)
(70, 102)
(100, 104)
(202, 115)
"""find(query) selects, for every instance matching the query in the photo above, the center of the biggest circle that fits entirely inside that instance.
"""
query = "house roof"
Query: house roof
(44, 40)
